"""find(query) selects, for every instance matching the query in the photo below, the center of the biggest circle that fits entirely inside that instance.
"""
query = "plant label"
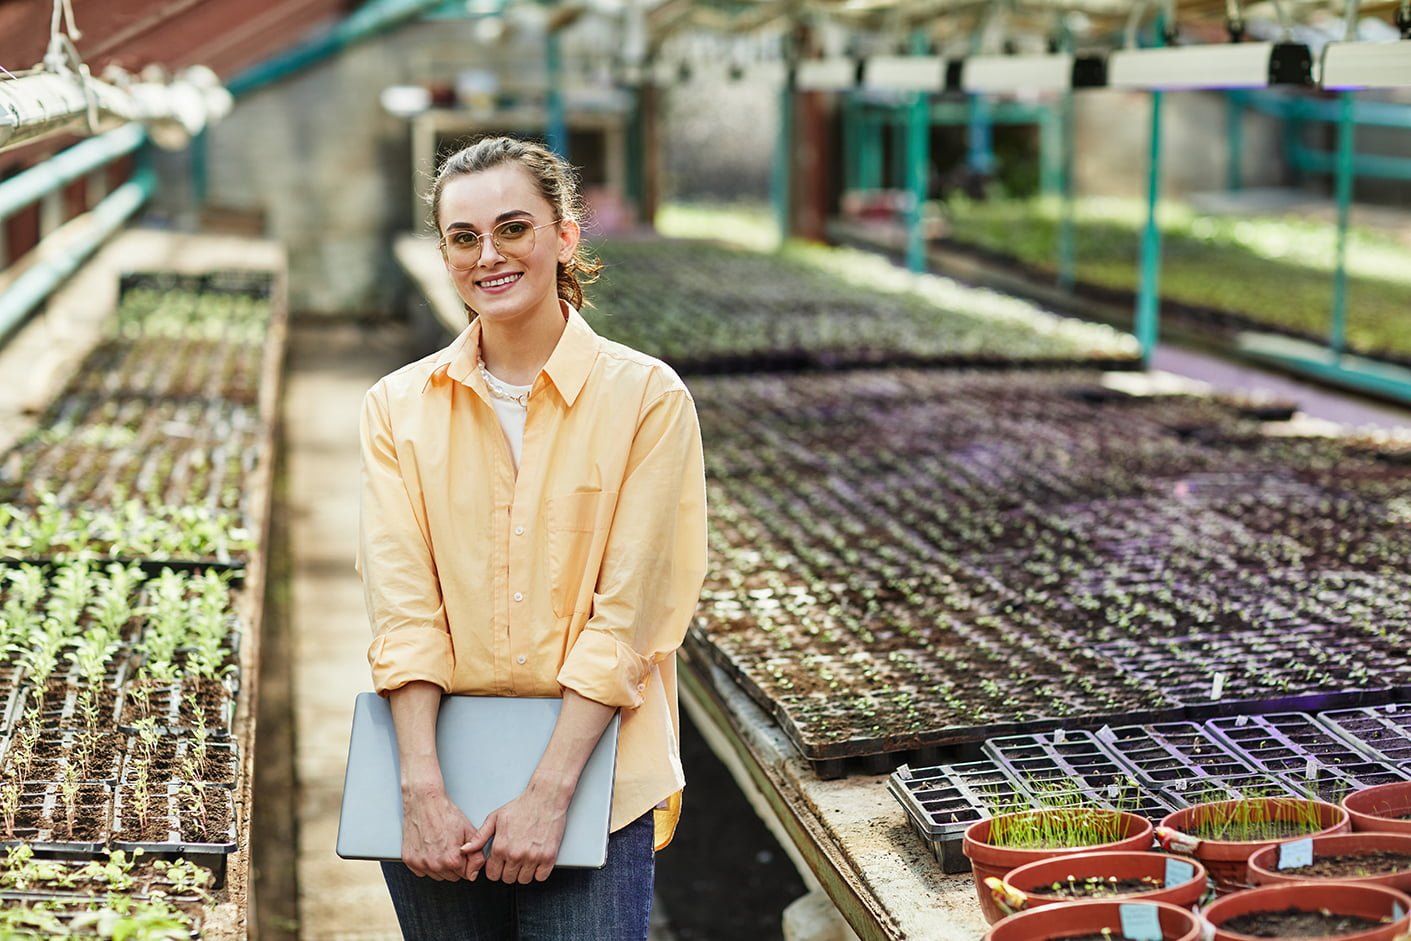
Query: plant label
(1059, 737)
(1241, 720)
(1178, 872)
(1396, 912)
(1310, 770)
(1391, 709)
(1140, 922)
(1105, 734)
(1217, 686)
(1296, 854)
(904, 773)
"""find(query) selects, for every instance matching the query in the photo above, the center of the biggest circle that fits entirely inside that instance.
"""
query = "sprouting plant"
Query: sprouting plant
(10, 807)
(68, 792)
(1258, 819)
(185, 877)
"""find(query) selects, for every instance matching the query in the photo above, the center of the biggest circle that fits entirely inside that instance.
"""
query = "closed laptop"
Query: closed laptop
(488, 747)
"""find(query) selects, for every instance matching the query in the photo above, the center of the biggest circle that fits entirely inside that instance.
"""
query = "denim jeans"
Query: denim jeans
(609, 904)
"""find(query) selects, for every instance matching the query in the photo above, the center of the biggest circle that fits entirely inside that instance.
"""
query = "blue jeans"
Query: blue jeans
(609, 904)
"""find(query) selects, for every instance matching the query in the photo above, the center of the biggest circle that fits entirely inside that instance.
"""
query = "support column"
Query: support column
(1052, 134)
(200, 175)
(980, 155)
(1234, 138)
(1149, 290)
(918, 165)
(557, 131)
(869, 168)
(1067, 236)
(782, 182)
(1347, 129)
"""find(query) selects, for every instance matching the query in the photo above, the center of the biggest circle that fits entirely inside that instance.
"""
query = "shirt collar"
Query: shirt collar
(567, 368)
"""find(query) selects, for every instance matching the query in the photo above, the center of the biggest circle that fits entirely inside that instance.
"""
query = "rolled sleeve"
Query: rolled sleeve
(411, 638)
(653, 564)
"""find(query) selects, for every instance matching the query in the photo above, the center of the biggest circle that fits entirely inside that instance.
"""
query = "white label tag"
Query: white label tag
(1396, 912)
(1140, 922)
(1391, 709)
(1310, 770)
(1207, 930)
(1059, 737)
(1241, 720)
(1179, 784)
(1178, 872)
(1105, 734)
(1217, 686)
(904, 772)
(1297, 854)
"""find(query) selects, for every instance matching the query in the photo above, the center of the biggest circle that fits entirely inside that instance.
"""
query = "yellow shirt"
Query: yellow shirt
(581, 572)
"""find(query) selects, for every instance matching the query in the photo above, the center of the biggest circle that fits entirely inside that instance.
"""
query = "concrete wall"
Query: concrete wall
(1113, 140)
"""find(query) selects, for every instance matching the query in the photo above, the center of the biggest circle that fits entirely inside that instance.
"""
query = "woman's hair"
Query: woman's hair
(556, 182)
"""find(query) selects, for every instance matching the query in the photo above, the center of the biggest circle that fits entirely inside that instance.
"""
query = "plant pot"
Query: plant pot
(1373, 902)
(987, 860)
(1264, 865)
(1381, 809)
(1090, 918)
(1025, 884)
(1227, 861)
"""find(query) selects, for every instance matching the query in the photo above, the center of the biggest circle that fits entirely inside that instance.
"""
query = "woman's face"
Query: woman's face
(502, 286)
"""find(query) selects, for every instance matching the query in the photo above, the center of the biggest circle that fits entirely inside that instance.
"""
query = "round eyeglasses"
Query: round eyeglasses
(513, 238)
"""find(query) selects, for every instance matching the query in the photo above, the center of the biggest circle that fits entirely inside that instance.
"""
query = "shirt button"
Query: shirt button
(519, 530)
(641, 686)
(519, 596)
(520, 659)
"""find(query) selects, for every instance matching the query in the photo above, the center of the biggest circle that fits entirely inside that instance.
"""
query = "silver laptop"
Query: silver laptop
(488, 747)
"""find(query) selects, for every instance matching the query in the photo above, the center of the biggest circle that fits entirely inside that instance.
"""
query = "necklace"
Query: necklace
(498, 389)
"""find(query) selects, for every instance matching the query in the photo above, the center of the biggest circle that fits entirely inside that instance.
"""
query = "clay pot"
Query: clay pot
(1375, 808)
(1264, 864)
(998, 861)
(1373, 902)
(1022, 882)
(1227, 861)
(1080, 918)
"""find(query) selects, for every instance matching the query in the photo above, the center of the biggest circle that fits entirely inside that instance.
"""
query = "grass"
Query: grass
(1277, 271)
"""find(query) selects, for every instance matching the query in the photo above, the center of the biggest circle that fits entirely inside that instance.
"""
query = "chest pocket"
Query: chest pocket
(578, 530)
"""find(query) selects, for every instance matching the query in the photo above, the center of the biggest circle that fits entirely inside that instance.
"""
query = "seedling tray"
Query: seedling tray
(941, 801)
(1068, 765)
(1380, 732)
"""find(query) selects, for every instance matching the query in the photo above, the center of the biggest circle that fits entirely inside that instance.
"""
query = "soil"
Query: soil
(1098, 888)
(1293, 923)
(1360, 864)
(90, 822)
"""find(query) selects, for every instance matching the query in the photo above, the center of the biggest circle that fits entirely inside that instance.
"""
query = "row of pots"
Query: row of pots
(1009, 879)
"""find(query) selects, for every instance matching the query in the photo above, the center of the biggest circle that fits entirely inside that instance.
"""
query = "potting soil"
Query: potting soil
(1353, 864)
(1097, 888)
(1293, 923)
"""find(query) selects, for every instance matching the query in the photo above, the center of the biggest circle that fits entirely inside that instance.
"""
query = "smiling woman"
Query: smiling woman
(533, 524)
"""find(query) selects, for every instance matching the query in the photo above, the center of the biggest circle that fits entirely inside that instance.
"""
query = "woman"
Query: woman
(533, 524)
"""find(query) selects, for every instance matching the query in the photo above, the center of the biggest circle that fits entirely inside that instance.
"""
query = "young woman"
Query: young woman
(533, 524)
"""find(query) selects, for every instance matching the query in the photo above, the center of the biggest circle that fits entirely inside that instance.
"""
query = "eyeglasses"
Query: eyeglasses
(513, 238)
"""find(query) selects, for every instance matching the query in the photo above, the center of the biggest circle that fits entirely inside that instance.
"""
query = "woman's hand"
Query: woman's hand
(433, 830)
(527, 833)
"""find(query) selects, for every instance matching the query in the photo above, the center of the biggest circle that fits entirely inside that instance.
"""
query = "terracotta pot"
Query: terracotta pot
(1080, 918)
(1374, 902)
(1227, 861)
(1023, 882)
(998, 861)
(1375, 808)
(1264, 864)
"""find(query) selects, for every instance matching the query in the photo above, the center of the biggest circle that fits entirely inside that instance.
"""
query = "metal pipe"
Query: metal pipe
(66, 166)
(1337, 336)
(1147, 327)
(31, 288)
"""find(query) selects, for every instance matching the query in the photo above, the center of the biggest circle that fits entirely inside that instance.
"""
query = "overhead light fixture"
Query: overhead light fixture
(1020, 73)
(1366, 65)
(836, 74)
(904, 73)
(1236, 65)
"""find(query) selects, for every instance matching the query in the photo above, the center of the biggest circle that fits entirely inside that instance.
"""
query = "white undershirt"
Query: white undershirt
(511, 416)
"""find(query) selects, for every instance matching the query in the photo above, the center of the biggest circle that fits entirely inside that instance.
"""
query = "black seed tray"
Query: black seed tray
(943, 800)
(1066, 764)
(1381, 732)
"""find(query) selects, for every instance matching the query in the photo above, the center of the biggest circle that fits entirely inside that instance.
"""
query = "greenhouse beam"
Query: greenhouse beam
(66, 166)
(782, 178)
(31, 288)
(918, 167)
(1347, 128)
(1149, 289)
(1234, 140)
(980, 154)
(1067, 225)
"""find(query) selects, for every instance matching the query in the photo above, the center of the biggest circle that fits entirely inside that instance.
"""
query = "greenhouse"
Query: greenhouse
(705, 470)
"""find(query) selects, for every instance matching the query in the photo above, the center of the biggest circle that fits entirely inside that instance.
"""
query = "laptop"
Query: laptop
(488, 747)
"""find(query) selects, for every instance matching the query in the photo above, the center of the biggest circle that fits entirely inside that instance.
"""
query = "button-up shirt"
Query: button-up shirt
(581, 571)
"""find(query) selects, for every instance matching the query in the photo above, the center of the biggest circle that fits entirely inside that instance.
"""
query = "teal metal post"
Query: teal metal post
(851, 141)
(901, 123)
(1149, 291)
(980, 155)
(918, 164)
(200, 169)
(783, 160)
(557, 131)
(636, 157)
(1234, 140)
(1051, 150)
(1347, 128)
(869, 162)
(68, 165)
(1067, 234)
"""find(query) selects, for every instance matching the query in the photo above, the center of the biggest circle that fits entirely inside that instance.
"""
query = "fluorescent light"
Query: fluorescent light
(839, 74)
(904, 73)
(1367, 65)
(1009, 74)
(1236, 65)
